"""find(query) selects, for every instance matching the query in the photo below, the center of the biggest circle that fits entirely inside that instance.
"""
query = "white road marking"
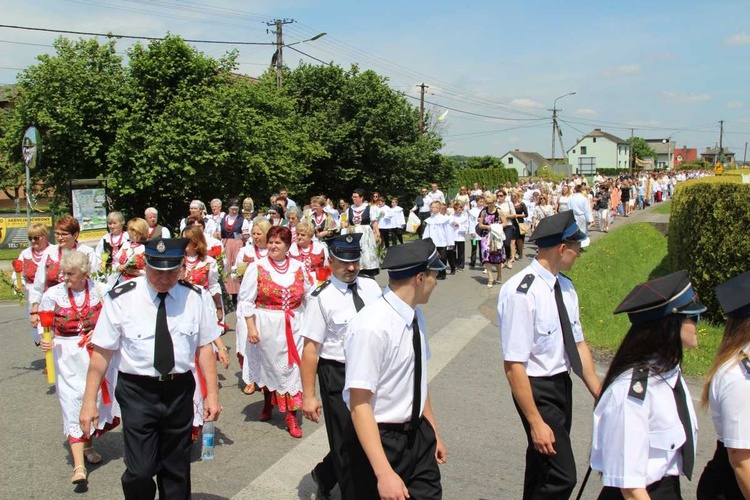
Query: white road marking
(280, 481)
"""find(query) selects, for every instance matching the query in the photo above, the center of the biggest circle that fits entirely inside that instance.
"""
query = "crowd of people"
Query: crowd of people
(298, 278)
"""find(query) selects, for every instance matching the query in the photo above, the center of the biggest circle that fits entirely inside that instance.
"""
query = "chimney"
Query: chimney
(517, 150)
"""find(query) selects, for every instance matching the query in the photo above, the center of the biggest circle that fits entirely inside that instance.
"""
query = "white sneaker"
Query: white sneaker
(484, 271)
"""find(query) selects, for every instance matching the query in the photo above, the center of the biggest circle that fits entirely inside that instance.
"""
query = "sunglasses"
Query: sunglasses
(34, 238)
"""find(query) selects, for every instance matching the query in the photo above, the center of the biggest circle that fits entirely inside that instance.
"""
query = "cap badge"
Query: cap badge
(349, 238)
(161, 247)
(638, 388)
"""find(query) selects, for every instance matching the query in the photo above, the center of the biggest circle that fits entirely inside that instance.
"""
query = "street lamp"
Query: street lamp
(668, 142)
(275, 56)
(555, 127)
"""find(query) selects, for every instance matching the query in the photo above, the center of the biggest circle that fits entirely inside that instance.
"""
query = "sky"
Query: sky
(667, 69)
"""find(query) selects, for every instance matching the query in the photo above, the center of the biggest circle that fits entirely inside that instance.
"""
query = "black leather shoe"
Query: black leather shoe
(321, 493)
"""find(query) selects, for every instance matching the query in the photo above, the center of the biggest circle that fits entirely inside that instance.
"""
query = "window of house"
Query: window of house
(583, 150)
(594, 139)
(574, 151)
(510, 160)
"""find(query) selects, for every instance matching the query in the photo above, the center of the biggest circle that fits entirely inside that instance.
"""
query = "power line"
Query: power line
(308, 55)
(131, 37)
(475, 114)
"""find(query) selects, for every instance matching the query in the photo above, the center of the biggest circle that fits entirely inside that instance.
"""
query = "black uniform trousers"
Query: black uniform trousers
(718, 481)
(461, 254)
(666, 488)
(550, 476)
(157, 419)
(331, 376)
(422, 217)
(411, 455)
(443, 254)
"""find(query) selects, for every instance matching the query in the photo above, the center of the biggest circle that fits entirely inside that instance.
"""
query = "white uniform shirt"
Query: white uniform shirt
(328, 314)
(459, 232)
(380, 357)
(397, 217)
(729, 400)
(436, 195)
(636, 443)
(127, 324)
(530, 327)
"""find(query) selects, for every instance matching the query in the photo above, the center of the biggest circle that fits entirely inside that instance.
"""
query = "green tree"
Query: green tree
(641, 149)
(72, 97)
(369, 133)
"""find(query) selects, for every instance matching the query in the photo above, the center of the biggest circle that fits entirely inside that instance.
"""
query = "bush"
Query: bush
(491, 177)
(708, 234)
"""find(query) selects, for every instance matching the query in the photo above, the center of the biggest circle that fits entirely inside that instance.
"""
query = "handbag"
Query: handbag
(523, 228)
(413, 223)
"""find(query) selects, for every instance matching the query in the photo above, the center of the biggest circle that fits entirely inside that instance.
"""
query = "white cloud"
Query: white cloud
(735, 105)
(738, 39)
(627, 70)
(526, 103)
(514, 140)
(680, 98)
(584, 112)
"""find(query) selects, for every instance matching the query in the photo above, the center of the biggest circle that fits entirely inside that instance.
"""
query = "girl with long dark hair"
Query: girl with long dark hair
(644, 423)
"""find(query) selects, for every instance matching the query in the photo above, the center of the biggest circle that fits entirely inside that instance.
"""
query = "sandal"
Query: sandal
(489, 284)
(249, 389)
(91, 456)
(80, 477)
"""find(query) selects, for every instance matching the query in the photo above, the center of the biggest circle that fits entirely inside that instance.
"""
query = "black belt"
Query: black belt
(161, 378)
(325, 361)
(552, 377)
(405, 427)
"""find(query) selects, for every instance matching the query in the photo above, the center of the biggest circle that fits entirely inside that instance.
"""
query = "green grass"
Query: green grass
(608, 271)
(663, 208)
(6, 293)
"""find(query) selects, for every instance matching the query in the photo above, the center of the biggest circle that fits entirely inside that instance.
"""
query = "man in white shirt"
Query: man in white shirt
(394, 448)
(436, 194)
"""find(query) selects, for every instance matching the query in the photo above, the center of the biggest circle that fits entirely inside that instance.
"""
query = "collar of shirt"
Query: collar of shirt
(543, 273)
(403, 309)
(340, 285)
(670, 376)
(154, 294)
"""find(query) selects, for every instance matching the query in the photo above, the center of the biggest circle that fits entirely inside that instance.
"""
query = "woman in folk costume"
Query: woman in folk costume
(324, 224)
(313, 254)
(76, 303)
(111, 242)
(272, 297)
(256, 249)
(235, 231)
(200, 269)
(25, 267)
(361, 217)
(129, 261)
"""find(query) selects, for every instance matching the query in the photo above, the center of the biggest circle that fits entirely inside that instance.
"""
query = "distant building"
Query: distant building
(684, 155)
(599, 149)
(664, 150)
(711, 155)
(526, 163)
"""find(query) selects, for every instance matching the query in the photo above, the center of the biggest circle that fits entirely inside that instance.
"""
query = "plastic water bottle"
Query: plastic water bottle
(207, 453)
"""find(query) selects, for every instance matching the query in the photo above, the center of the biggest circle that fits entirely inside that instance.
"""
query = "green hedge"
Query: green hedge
(708, 234)
(492, 177)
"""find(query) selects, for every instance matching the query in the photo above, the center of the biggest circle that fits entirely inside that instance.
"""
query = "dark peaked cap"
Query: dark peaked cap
(734, 296)
(165, 253)
(556, 229)
(661, 297)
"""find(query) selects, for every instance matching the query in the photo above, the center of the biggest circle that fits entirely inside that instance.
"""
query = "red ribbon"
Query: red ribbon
(201, 379)
(292, 355)
(106, 399)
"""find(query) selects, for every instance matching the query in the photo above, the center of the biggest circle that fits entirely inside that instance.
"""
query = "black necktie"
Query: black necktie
(688, 449)
(163, 349)
(417, 404)
(570, 344)
(358, 302)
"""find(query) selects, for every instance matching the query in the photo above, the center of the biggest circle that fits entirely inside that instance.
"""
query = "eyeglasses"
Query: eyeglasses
(694, 317)
(61, 235)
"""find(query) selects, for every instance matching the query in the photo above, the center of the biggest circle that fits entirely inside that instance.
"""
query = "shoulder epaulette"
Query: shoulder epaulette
(317, 291)
(745, 362)
(566, 277)
(639, 383)
(121, 289)
(195, 288)
(526, 283)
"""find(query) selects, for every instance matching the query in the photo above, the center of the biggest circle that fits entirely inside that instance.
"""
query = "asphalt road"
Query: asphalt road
(470, 395)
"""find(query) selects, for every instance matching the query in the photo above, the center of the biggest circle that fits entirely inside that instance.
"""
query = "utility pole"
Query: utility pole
(554, 126)
(630, 152)
(278, 58)
(744, 158)
(720, 157)
(421, 107)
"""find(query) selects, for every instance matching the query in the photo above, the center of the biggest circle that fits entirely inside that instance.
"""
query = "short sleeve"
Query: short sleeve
(516, 321)
(620, 444)
(313, 321)
(108, 329)
(735, 412)
(364, 350)
(248, 291)
(209, 328)
(213, 278)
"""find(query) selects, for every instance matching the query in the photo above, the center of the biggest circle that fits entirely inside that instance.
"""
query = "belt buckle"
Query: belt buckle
(408, 426)
(165, 378)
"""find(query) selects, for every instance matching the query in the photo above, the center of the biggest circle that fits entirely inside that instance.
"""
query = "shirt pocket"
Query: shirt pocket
(338, 323)
(545, 334)
(669, 440)
(140, 342)
(185, 341)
